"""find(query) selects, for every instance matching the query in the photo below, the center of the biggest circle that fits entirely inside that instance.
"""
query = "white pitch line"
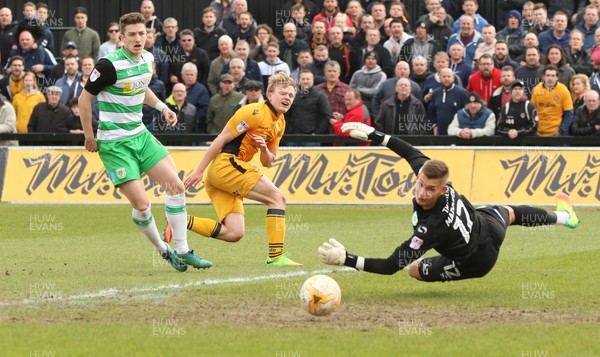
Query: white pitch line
(116, 292)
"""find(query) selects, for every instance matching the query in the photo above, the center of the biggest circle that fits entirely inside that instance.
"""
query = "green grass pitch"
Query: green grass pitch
(80, 280)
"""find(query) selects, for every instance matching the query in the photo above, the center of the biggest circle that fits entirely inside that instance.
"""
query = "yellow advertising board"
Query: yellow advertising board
(356, 175)
(536, 175)
(326, 175)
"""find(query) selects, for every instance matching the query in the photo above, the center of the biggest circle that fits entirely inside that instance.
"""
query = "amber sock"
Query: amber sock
(204, 226)
(275, 232)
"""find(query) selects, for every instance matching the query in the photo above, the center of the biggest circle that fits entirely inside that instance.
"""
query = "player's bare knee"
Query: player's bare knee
(280, 199)
(276, 199)
(174, 188)
(233, 235)
(140, 206)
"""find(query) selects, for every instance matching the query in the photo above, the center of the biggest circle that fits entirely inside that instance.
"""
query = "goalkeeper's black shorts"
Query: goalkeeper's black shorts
(440, 268)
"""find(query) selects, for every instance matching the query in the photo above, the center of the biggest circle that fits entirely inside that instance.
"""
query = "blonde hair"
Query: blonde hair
(584, 79)
(280, 79)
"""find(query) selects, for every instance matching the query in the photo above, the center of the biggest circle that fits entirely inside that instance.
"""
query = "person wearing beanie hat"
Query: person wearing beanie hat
(518, 117)
(369, 78)
(513, 34)
(474, 120)
(422, 43)
(504, 7)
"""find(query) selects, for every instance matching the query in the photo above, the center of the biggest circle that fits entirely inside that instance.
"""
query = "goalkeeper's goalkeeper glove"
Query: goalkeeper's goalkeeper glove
(332, 252)
(364, 132)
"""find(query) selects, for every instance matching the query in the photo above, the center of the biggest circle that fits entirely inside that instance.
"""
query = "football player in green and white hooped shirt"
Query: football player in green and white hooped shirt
(126, 148)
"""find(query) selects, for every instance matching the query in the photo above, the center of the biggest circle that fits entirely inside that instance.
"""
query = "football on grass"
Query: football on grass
(320, 295)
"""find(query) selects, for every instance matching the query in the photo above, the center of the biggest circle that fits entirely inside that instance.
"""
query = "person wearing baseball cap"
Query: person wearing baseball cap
(518, 117)
(70, 48)
(253, 94)
(474, 120)
(220, 107)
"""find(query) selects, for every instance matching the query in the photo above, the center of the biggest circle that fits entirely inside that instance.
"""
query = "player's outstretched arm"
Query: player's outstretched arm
(363, 132)
(334, 253)
(213, 150)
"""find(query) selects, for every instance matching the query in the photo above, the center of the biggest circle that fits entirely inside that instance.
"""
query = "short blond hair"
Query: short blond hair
(280, 79)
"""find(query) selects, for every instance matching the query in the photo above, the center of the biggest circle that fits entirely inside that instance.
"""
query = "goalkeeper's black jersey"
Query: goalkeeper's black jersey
(452, 227)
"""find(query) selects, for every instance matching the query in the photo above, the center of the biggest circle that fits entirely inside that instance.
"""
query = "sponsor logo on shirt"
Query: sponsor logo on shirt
(129, 87)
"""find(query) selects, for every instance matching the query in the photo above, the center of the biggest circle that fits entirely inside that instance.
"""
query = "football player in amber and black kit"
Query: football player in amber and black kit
(468, 239)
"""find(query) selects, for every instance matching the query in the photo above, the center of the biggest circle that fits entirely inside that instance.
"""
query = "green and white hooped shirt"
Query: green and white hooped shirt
(120, 82)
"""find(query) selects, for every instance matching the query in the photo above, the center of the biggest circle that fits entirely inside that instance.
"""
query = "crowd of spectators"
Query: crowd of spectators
(532, 71)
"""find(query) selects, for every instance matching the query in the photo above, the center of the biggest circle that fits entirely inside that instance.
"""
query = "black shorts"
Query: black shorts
(440, 268)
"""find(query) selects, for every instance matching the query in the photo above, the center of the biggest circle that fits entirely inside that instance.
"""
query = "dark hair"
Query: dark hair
(530, 47)
(501, 42)
(132, 18)
(435, 169)
(18, 58)
(550, 67)
(297, 7)
(396, 20)
(562, 61)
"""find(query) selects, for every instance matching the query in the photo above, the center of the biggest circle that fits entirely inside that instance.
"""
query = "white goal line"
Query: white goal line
(113, 292)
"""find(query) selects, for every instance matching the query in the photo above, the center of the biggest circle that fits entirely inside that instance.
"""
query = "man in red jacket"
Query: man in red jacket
(485, 81)
(355, 112)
